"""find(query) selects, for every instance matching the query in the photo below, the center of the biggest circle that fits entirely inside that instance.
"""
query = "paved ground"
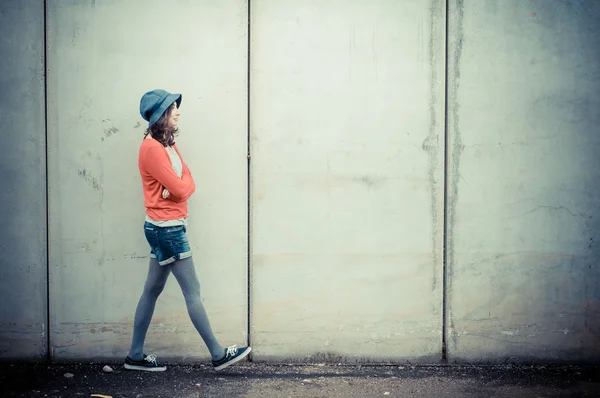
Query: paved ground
(266, 381)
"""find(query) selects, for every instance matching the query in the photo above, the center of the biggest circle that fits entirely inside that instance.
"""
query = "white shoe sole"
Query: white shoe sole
(145, 369)
(236, 359)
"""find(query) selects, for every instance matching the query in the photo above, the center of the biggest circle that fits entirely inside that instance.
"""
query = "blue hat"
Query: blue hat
(154, 103)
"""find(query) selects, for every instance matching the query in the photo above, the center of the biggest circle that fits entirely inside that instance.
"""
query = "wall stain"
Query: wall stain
(93, 181)
(369, 181)
(22, 336)
(454, 145)
(134, 256)
(556, 209)
(430, 144)
(138, 124)
(109, 131)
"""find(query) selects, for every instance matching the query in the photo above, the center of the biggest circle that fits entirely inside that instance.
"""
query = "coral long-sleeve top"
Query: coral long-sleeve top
(157, 173)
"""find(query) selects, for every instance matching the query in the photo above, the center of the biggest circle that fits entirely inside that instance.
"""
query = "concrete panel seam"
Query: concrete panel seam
(45, 27)
(431, 144)
(249, 191)
(454, 146)
(445, 220)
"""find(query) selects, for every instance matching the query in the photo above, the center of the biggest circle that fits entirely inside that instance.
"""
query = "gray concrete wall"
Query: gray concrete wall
(23, 277)
(347, 180)
(347, 177)
(102, 56)
(524, 111)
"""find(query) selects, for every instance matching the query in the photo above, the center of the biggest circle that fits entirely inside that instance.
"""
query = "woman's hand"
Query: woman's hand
(165, 193)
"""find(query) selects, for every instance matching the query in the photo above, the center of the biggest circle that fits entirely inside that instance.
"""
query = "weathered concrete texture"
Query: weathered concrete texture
(23, 277)
(524, 278)
(102, 57)
(347, 127)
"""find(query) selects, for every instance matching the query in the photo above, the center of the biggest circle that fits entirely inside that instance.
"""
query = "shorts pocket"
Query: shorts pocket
(151, 234)
(174, 230)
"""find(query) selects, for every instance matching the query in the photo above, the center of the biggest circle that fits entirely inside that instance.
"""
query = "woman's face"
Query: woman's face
(173, 116)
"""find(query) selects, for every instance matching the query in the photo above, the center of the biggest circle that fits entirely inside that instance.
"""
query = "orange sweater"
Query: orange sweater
(157, 173)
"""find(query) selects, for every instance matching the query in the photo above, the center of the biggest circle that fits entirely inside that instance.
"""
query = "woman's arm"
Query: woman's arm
(156, 162)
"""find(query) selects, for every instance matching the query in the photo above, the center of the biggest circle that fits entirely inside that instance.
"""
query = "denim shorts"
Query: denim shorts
(167, 244)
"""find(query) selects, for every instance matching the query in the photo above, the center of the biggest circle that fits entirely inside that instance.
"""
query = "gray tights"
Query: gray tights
(185, 273)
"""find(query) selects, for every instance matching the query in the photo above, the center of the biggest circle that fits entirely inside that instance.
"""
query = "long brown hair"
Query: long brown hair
(160, 130)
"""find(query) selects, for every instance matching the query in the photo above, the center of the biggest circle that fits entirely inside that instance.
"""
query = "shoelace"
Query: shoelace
(231, 351)
(151, 358)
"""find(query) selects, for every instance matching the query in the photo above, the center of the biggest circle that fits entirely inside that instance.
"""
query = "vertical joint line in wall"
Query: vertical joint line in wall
(445, 228)
(249, 187)
(47, 237)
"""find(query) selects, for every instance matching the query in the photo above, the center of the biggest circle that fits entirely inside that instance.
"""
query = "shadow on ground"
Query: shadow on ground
(265, 381)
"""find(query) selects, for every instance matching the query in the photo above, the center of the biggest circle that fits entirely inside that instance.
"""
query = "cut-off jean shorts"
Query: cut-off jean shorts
(167, 244)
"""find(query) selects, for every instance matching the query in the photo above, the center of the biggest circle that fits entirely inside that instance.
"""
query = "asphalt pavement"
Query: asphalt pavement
(248, 379)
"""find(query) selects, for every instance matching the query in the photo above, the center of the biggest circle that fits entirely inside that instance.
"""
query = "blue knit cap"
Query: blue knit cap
(154, 103)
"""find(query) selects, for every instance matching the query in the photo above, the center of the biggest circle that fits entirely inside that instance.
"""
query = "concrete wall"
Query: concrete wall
(347, 188)
(523, 205)
(102, 56)
(348, 216)
(23, 276)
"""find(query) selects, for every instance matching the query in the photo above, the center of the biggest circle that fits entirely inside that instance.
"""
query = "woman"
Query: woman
(167, 185)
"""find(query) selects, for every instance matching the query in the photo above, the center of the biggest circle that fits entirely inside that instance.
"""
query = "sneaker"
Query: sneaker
(232, 356)
(148, 364)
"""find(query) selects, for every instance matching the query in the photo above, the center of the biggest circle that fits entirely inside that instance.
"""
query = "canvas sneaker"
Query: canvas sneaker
(148, 364)
(232, 355)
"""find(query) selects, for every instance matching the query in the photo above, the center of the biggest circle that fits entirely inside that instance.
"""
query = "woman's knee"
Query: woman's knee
(185, 274)
(154, 289)
(191, 288)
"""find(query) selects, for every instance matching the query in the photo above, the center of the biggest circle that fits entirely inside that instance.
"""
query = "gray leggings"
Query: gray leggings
(185, 273)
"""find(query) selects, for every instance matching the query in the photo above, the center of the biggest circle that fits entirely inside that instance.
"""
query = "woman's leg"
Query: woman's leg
(155, 283)
(185, 273)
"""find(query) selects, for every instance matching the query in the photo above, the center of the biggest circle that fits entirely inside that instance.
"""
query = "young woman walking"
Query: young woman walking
(167, 185)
